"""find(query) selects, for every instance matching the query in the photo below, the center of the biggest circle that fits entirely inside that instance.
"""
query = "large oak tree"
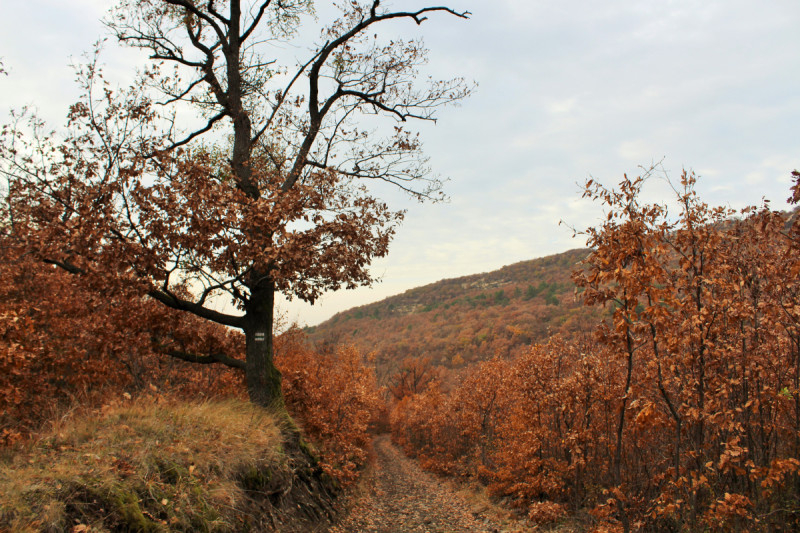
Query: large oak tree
(266, 193)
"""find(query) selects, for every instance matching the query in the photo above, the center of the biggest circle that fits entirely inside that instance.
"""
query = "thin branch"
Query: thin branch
(182, 61)
(215, 285)
(213, 120)
(180, 96)
(282, 98)
(256, 20)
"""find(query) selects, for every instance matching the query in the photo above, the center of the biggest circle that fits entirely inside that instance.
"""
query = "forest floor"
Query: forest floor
(397, 496)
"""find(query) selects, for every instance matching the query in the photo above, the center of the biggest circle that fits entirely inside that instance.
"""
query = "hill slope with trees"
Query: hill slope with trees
(682, 412)
(462, 320)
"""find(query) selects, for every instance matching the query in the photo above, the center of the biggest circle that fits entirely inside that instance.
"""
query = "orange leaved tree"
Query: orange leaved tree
(258, 189)
(704, 319)
(683, 414)
(62, 343)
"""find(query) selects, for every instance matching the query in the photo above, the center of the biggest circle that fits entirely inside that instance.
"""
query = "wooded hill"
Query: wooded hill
(462, 320)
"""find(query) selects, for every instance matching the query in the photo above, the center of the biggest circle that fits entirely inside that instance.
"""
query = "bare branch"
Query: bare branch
(183, 94)
(281, 98)
(215, 13)
(213, 120)
(315, 114)
(256, 20)
(181, 60)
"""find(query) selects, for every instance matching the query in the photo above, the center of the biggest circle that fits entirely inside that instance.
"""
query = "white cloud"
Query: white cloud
(562, 106)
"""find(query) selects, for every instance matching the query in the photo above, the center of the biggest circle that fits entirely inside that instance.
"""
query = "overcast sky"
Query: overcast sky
(568, 89)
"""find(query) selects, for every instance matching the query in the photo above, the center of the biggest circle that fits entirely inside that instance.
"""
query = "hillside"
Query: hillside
(146, 465)
(462, 320)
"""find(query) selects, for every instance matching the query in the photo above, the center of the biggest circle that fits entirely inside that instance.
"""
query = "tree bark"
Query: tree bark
(263, 378)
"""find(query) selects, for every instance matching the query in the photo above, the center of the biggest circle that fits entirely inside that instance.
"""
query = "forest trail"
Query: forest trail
(399, 497)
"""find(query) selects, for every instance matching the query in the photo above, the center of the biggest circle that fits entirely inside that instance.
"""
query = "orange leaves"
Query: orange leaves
(334, 396)
(546, 512)
(459, 321)
(730, 512)
(646, 416)
(701, 313)
(780, 471)
(795, 197)
(413, 377)
(60, 344)
(733, 457)
(684, 415)
(523, 426)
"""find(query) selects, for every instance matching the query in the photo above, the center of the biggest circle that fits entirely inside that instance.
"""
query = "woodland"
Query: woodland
(680, 412)
(458, 322)
(647, 382)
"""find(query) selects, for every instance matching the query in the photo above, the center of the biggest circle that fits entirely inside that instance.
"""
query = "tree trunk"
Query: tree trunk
(263, 379)
(623, 514)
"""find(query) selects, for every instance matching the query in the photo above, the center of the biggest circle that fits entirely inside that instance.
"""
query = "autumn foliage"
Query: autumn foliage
(224, 174)
(459, 321)
(334, 396)
(62, 345)
(71, 348)
(681, 413)
(526, 426)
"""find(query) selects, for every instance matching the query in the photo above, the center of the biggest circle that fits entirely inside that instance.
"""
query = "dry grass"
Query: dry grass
(147, 466)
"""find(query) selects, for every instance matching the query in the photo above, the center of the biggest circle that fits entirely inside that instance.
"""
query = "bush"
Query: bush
(334, 395)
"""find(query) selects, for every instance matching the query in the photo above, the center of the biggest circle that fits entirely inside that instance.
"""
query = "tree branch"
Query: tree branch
(315, 115)
(213, 120)
(69, 267)
(170, 300)
(281, 98)
(173, 57)
(207, 359)
(256, 20)
(216, 13)
(189, 6)
(177, 97)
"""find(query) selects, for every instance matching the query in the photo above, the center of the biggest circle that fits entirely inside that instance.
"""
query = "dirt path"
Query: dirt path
(399, 497)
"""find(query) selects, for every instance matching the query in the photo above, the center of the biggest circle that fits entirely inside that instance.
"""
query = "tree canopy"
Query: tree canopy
(268, 193)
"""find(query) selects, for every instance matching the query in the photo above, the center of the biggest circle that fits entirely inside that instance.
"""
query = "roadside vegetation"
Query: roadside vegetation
(681, 412)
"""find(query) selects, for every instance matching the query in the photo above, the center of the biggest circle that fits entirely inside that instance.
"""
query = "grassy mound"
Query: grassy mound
(165, 466)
